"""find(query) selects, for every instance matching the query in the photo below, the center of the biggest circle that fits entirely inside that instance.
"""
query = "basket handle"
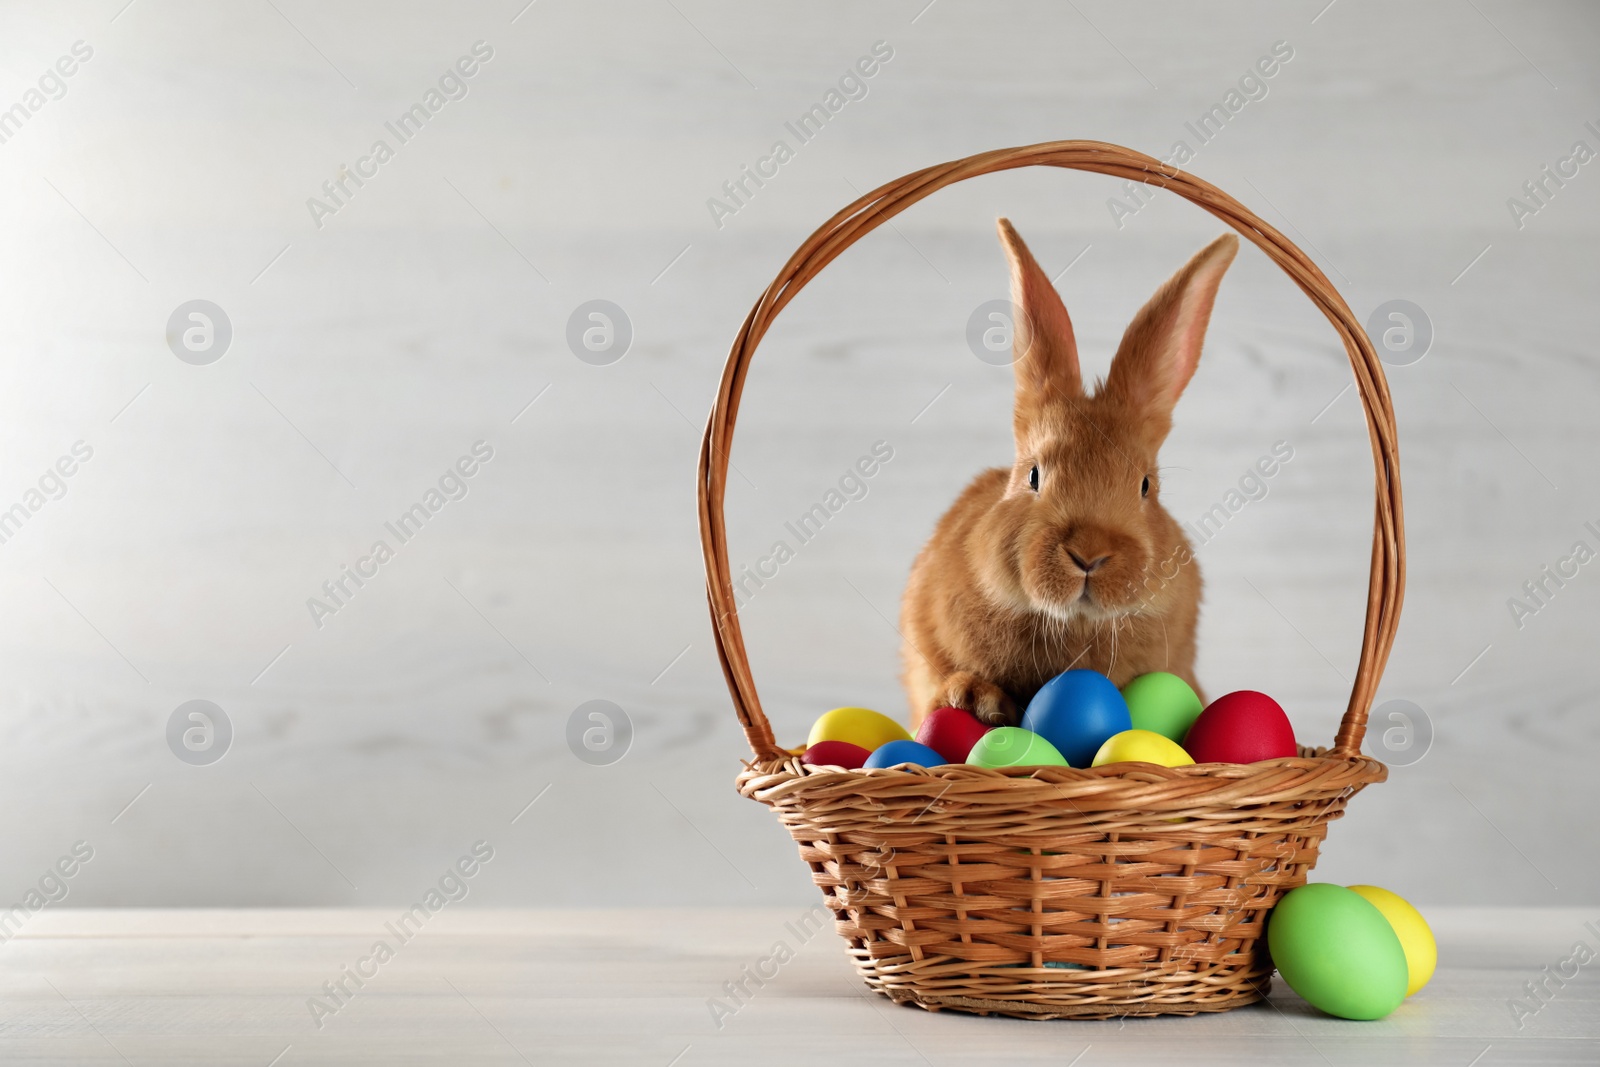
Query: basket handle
(1386, 580)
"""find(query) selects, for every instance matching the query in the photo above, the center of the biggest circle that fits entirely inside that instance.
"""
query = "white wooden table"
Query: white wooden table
(490, 986)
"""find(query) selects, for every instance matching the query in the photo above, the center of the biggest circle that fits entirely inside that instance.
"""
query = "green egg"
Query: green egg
(1338, 952)
(1162, 703)
(1012, 746)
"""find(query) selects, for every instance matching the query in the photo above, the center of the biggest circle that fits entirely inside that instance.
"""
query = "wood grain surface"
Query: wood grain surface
(640, 987)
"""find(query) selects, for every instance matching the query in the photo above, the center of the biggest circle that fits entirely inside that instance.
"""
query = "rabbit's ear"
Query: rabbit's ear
(1161, 347)
(1046, 352)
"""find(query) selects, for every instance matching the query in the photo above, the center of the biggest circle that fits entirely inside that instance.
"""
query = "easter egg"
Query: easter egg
(951, 732)
(835, 754)
(897, 752)
(1242, 727)
(1141, 746)
(1416, 938)
(1162, 703)
(1337, 951)
(1012, 746)
(859, 726)
(1076, 712)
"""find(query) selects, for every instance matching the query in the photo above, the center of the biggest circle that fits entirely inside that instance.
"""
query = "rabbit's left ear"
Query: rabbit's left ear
(1161, 347)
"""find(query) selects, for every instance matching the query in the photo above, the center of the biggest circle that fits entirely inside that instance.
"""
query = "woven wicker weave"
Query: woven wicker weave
(1055, 892)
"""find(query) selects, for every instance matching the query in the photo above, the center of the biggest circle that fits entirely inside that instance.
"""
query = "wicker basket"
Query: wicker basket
(1056, 892)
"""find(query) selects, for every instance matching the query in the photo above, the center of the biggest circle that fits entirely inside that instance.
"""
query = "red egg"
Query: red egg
(1242, 727)
(835, 754)
(951, 732)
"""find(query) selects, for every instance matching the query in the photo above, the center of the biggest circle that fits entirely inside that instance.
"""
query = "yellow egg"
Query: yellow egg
(859, 726)
(1141, 746)
(1422, 952)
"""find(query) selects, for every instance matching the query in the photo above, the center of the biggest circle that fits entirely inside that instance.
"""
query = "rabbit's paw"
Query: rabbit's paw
(990, 703)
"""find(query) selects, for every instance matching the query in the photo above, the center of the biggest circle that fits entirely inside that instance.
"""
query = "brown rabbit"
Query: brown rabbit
(1067, 559)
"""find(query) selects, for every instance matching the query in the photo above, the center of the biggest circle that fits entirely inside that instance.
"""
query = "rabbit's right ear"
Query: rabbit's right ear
(1045, 349)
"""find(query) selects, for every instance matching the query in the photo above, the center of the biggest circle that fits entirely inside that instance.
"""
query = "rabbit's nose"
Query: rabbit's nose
(1089, 566)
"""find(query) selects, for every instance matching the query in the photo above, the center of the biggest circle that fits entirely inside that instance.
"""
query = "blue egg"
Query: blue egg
(893, 753)
(1076, 712)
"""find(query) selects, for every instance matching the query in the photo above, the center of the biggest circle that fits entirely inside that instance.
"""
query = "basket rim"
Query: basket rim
(1050, 772)
(1386, 575)
(788, 780)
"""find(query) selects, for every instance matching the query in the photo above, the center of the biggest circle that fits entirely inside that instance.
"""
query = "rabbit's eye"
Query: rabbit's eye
(1144, 487)
(1033, 478)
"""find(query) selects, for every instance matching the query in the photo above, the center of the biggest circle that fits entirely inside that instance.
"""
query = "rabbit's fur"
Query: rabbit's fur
(1017, 585)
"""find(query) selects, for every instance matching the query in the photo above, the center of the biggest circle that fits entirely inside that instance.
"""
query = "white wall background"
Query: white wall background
(428, 312)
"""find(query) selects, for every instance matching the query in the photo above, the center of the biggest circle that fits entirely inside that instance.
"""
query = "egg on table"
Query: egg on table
(1337, 951)
(1416, 937)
